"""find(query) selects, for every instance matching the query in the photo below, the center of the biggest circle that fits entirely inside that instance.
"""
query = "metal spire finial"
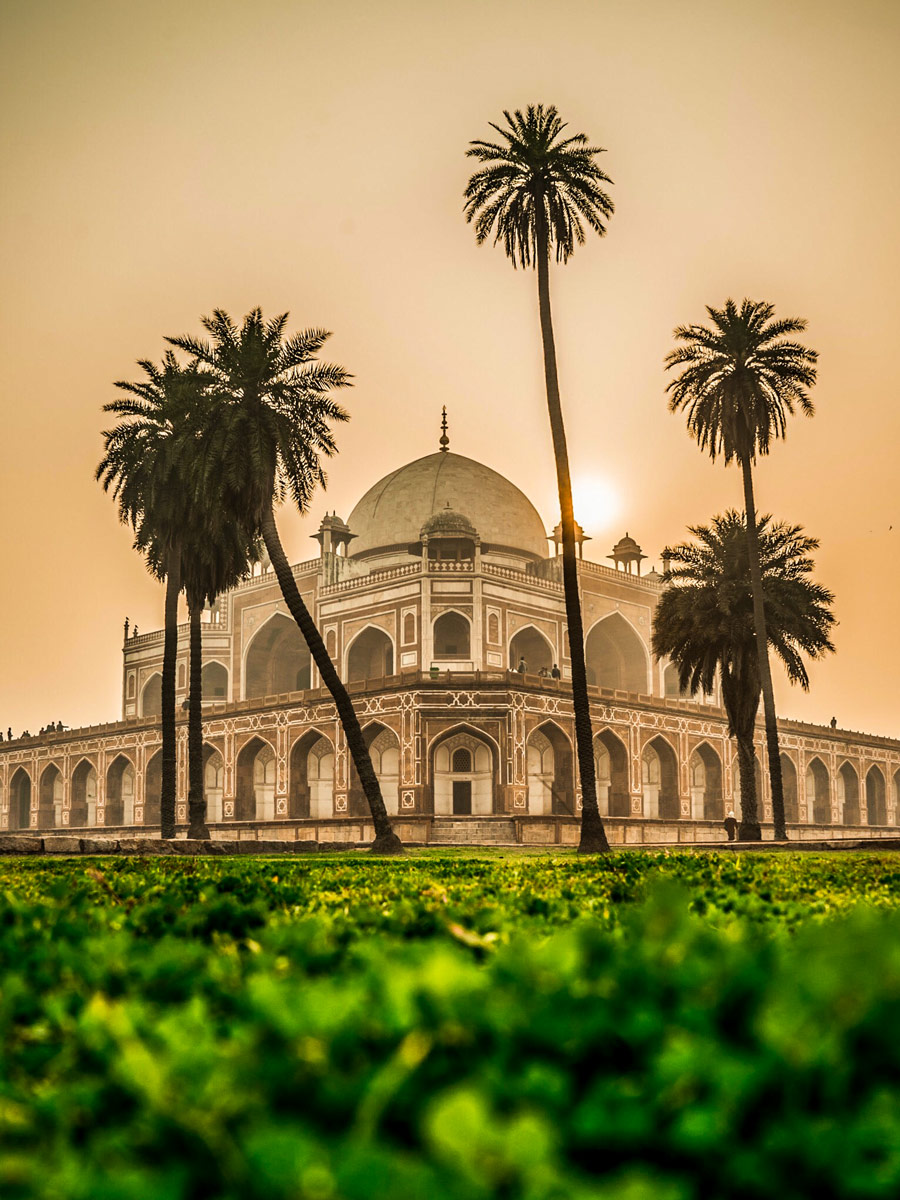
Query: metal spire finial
(445, 441)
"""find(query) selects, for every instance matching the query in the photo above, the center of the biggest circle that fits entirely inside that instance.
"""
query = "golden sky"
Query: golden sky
(164, 159)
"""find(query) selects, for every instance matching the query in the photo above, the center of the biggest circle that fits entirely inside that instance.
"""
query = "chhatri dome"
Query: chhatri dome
(394, 513)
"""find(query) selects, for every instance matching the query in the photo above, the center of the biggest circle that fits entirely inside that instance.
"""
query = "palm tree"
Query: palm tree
(278, 411)
(535, 192)
(143, 467)
(741, 379)
(705, 623)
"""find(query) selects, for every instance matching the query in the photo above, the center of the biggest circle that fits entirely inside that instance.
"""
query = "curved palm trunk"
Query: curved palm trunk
(386, 841)
(762, 650)
(196, 799)
(740, 695)
(170, 653)
(593, 835)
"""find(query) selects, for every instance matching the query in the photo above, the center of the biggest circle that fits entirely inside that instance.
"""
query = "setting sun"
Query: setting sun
(597, 502)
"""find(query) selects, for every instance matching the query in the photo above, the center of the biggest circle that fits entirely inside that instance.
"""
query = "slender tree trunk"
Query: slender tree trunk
(386, 841)
(170, 654)
(196, 798)
(762, 650)
(749, 830)
(593, 835)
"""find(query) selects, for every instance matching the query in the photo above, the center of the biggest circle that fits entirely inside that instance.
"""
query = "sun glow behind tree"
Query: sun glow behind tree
(597, 503)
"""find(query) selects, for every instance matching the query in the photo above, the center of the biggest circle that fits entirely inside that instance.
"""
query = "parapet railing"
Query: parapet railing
(374, 577)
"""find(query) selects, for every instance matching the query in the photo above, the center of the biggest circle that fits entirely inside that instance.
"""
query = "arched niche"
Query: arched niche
(818, 792)
(789, 789)
(876, 798)
(848, 794)
(311, 777)
(384, 751)
(213, 782)
(50, 798)
(615, 656)
(551, 773)
(452, 635)
(705, 769)
(659, 775)
(370, 656)
(83, 806)
(409, 629)
(493, 628)
(463, 773)
(120, 781)
(214, 682)
(277, 660)
(153, 790)
(611, 769)
(151, 696)
(255, 782)
(532, 645)
(20, 800)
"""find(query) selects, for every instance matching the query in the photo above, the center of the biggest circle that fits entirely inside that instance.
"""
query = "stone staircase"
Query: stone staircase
(473, 831)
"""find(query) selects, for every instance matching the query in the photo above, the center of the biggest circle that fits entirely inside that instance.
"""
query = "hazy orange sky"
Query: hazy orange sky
(161, 160)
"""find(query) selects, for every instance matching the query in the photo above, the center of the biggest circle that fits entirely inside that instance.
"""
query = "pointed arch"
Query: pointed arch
(120, 788)
(611, 768)
(452, 635)
(255, 781)
(847, 782)
(20, 799)
(897, 796)
(50, 798)
(213, 782)
(308, 775)
(790, 789)
(659, 773)
(535, 647)
(384, 751)
(463, 785)
(370, 655)
(83, 805)
(151, 696)
(153, 790)
(705, 770)
(276, 659)
(818, 792)
(876, 799)
(616, 656)
(214, 682)
(550, 765)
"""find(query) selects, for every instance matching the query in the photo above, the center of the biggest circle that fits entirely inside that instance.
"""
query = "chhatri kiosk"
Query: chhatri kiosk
(440, 581)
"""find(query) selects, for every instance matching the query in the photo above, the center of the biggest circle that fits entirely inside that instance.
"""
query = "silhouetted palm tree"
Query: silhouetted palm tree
(741, 380)
(535, 192)
(705, 622)
(143, 466)
(279, 410)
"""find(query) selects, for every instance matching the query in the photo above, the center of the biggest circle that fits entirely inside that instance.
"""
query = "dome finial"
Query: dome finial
(445, 441)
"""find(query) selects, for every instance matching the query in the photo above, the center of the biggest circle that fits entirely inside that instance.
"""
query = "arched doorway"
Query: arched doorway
(213, 782)
(83, 809)
(452, 636)
(214, 681)
(151, 696)
(659, 773)
(120, 792)
(611, 768)
(789, 789)
(50, 798)
(848, 794)
(707, 802)
(20, 800)
(384, 750)
(255, 779)
(463, 768)
(530, 644)
(818, 793)
(551, 779)
(153, 790)
(311, 778)
(615, 656)
(897, 797)
(277, 660)
(876, 799)
(371, 656)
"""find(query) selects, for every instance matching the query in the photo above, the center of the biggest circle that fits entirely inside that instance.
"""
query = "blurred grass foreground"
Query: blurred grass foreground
(449, 1027)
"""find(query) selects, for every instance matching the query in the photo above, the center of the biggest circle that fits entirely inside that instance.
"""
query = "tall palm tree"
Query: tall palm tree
(740, 381)
(535, 192)
(143, 468)
(278, 411)
(705, 622)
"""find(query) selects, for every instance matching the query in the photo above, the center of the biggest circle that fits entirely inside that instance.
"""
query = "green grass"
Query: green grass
(451, 1026)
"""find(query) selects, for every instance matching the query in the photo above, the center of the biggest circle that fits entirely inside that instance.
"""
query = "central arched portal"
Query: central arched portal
(615, 656)
(277, 660)
(551, 778)
(463, 774)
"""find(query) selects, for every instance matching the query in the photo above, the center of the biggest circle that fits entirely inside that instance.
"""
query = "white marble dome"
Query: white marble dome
(392, 513)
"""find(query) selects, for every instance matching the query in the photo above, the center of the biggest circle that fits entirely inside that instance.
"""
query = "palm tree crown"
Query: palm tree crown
(742, 378)
(536, 185)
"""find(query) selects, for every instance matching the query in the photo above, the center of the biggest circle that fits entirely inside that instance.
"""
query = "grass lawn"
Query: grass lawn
(453, 1024)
